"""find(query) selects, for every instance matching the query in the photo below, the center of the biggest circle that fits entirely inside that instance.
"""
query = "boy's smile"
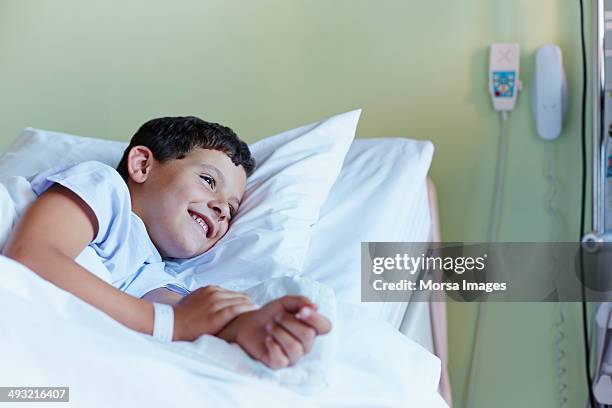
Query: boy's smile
(204, 223)
(186, 204)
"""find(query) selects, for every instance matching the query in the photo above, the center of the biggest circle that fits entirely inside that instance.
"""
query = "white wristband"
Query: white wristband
(163, 322)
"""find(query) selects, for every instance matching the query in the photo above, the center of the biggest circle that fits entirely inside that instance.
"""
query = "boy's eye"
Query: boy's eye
(232, 211)
(209, 180)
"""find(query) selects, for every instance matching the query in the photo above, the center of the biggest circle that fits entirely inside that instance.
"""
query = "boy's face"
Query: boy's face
(186, 205)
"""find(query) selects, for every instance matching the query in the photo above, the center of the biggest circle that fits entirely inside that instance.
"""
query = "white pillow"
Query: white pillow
(270, 235)
(36, 150)
(380, 195)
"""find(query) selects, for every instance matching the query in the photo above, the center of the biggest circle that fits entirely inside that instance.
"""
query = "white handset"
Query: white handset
(504, 82)
(549, 92)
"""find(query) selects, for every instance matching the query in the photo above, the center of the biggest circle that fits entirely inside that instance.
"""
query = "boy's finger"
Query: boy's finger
(236, 292)
(291, 346)
(317, 321)
(228, 294)
(275, 357)
(233, 310)
(224, 303)
(301, 331)
(293, 304)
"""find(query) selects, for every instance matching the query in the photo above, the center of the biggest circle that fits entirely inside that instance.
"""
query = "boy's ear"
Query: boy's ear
(139, 163)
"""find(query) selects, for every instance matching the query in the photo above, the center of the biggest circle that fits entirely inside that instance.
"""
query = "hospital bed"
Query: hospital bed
(55, 339)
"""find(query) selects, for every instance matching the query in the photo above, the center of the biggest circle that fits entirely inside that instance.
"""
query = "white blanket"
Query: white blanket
(309, 375)
(51, 338)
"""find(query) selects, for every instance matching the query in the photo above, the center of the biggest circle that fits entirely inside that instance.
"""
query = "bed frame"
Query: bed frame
(425, 322)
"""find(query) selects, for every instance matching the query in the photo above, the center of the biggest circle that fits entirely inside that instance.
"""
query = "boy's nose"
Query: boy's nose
(221, 210)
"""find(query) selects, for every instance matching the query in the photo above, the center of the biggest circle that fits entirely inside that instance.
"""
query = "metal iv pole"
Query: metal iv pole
(598, 233)
(594, 240)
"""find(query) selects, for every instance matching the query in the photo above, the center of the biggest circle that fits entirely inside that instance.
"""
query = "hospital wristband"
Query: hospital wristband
(163, 322)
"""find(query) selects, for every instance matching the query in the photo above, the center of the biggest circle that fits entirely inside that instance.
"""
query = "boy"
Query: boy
(178, 185)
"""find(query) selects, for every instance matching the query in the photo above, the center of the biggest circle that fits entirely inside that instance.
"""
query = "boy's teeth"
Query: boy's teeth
(200, 221)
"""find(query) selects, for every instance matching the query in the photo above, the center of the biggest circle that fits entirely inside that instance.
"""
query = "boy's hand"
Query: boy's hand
(207, 310)
(280, 333)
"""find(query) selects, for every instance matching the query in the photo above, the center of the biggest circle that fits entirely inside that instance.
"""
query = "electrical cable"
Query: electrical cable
(560, 324)
(585, 330)
(499, 178)
(560, 347)
(467, 400)
(495, 215)
(552, 194)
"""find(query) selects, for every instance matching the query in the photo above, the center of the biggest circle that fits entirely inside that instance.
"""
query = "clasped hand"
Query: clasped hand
(278, 334)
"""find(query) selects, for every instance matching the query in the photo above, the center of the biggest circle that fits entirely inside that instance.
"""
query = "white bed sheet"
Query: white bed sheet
(52, 338)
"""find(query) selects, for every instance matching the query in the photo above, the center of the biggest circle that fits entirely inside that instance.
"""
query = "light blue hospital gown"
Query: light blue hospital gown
(122, 242)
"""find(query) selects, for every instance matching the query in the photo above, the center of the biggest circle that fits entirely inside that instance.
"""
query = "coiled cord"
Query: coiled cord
(560, 323)
(560, 358)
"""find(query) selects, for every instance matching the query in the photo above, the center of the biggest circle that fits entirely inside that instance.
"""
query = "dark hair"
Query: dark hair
(174, 137)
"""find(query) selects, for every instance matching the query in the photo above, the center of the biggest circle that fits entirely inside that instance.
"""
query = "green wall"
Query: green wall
(418, 68)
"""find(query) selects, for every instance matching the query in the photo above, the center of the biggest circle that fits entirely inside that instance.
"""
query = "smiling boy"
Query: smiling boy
(173, 195)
